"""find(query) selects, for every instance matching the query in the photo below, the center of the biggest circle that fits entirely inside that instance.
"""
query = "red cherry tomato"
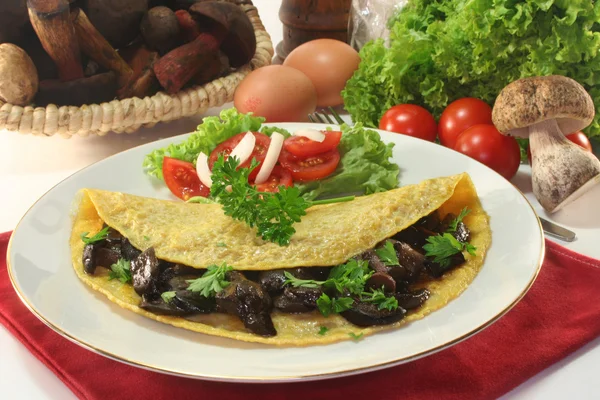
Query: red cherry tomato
(279, 177)
(182, 180)
(578, 138)
(485, 144)
(459, 116)
(312, 168)
(260, 151)
(304, 147)
(411, 120)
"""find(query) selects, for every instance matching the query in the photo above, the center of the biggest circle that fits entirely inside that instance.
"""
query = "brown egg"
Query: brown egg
(329, 64)
(278, 93)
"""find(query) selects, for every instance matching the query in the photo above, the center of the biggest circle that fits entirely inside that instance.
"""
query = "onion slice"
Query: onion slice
(203, 170)
(271, 158)
(244, 148)
(312, 134)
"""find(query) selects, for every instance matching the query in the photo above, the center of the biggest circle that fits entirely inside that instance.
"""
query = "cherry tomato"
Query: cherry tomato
(260, 151)
(411, 120)
(304, 147)
(485, 144)
(182, 180)
(459, 116)
(578, 138)
(279, 177)
(311, 168)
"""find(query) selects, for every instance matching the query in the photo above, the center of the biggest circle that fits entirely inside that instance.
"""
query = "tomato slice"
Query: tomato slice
(279, 177)
(311, 168)
(304, 147)
(182, 180)
(260, 151)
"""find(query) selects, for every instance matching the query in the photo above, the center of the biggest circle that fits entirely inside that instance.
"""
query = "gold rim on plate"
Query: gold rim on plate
(246, 379)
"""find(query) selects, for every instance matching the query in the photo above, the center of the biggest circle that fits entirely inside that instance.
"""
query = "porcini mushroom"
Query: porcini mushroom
(224, 26)
(544, 109)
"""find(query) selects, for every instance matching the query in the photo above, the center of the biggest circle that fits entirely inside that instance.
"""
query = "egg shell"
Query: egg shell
(277, 93)
(329, 64)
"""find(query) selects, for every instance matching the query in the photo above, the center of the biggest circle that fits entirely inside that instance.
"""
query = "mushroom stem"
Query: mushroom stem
(561, 170)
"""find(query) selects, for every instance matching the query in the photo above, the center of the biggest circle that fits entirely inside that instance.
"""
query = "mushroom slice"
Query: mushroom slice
(545, 109)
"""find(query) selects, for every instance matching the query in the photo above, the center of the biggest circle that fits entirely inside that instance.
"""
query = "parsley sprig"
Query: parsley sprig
(443, 247)
(387, 254)
(121, 270)
(378, 297)
(103, 234)
(273, 214)
(212, 282)
(167, 296)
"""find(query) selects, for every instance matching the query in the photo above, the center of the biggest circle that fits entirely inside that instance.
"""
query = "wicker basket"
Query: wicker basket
(128, 115)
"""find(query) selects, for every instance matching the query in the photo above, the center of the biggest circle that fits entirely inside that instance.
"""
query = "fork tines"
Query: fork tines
(322, 116)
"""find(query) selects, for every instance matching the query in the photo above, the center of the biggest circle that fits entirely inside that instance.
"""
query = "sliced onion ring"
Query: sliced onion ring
(244, 148)
(312, 134)
(271, 158)
(203, 170)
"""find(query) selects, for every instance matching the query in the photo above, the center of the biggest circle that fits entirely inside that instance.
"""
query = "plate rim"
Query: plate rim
(253, 379)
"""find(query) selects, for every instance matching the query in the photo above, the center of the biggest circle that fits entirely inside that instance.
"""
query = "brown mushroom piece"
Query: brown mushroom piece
(545, 109)
(225, 26)
(18, 76)
(160, 29)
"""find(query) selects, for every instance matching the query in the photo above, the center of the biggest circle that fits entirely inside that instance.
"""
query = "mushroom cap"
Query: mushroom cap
(240, 43)
(528, 101)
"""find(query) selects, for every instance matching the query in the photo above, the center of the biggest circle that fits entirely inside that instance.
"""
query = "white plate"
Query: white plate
(41, 272)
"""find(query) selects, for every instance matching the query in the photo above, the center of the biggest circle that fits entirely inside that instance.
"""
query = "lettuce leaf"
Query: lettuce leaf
(364, 166)
(211, 132)
(440, 51)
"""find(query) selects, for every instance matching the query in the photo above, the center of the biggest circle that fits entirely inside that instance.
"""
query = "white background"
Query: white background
(30, 166)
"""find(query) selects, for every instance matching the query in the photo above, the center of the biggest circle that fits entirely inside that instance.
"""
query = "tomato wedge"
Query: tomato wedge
(260, 151)
(182, 180)
(279, 177)
(304, 147)
(311, 168)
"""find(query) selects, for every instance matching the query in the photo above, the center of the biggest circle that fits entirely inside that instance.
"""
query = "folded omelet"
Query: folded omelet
(200, 235)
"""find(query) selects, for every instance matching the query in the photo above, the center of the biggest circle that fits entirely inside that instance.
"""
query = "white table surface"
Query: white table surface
(30, 166)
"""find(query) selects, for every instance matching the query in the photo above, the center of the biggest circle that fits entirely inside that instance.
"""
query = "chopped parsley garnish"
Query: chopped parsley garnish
(323, 330)
(387, 254)
(221, 244)
(356, 337)
(121, 270)
(273, 214)
(328, 305)
(379, 298)
(454, 223)
(167, 296)
(443, 247)
(212, 282)
(146, 238)
(96, 238)
(295, 282)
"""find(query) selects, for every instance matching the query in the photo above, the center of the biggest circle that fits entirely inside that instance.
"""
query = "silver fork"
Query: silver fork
(325, 118)
(552, 229)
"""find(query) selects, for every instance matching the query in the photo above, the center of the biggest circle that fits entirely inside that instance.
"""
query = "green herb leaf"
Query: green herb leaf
(146, 238)
(200, 200)
(273, 214)
(327, 305)
(323, 330)
(351, 276)
(356, 337)
(379, 298)
(221, 244)
(442, 248)
(121, 270)
(96, 238)
(387, 254)
(167, 296)
(454, 223)
(295, 282)
(211, 282)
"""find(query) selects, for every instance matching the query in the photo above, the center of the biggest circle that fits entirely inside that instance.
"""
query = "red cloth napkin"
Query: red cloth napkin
(560, 314)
